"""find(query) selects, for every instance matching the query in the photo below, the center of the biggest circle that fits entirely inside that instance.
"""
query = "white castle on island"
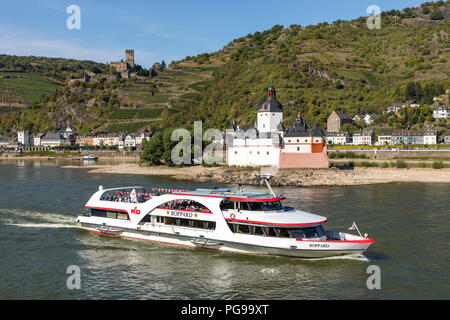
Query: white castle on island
(269, 144)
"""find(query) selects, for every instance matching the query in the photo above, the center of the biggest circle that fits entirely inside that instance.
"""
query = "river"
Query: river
(39, 241)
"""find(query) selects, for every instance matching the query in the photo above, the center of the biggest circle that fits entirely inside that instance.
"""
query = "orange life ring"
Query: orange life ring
(232, 216)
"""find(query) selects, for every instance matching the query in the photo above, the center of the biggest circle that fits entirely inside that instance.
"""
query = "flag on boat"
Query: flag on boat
(353, 227)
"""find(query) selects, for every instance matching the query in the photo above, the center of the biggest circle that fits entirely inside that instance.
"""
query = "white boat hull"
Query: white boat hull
(302, 249)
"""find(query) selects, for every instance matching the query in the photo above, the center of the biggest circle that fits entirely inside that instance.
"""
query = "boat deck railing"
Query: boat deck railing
(127, 195)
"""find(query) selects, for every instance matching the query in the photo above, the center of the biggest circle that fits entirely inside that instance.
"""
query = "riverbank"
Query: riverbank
(285, 177)
(71, 157)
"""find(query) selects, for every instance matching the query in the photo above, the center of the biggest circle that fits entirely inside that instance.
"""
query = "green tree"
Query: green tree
(348, 127)
(436, 15)
(153, 149)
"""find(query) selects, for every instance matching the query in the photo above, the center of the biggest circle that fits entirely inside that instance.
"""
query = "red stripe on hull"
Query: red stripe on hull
(340, 241)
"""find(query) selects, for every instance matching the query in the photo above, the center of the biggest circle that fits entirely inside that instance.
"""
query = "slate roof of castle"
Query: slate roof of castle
(300, 129)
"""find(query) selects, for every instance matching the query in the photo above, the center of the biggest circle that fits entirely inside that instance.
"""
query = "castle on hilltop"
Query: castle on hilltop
(125, 68)
(270, 144)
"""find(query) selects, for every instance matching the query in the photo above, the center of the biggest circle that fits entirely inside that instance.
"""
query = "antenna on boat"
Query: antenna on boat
(266, 180)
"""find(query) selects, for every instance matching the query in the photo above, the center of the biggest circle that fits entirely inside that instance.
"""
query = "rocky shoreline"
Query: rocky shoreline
(287, 177)
(332, 176)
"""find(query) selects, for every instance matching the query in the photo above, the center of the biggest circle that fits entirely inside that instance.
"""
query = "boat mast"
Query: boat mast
(266, 180)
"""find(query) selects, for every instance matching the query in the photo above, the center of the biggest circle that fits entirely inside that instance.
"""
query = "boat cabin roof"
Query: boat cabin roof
(233, 195)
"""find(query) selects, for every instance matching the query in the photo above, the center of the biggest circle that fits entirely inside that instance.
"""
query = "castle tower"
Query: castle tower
(270, 114)
(129, 57)
(23, 137)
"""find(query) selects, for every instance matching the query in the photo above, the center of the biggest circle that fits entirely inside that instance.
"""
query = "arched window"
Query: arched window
(184, 205)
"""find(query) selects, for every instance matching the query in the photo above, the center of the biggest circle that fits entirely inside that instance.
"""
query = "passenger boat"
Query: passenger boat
(216, 219)
(89, 157)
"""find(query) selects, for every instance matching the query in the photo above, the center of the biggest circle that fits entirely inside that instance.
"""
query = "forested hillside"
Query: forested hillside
(317, 69)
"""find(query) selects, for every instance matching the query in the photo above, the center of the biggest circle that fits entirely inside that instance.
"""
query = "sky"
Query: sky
(158, 30)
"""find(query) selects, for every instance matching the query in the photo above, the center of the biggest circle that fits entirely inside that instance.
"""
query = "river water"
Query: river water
(39, 241)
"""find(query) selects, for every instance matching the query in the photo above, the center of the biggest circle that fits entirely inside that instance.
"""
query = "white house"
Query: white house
(338, 138)
(363, 137)
(70, 131)
(36, 139)
(130, 140)
(384, 137)
(52, 139)
(430, 137)
(393, 107)
(441, 113)
(141, 136)
(109, 139)
(369, 118)
(5, 141)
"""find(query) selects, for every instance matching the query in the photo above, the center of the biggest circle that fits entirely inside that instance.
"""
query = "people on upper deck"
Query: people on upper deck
(185, 204)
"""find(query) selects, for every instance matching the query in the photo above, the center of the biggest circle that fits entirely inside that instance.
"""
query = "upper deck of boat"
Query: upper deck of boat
(223, 193)
(232, 195)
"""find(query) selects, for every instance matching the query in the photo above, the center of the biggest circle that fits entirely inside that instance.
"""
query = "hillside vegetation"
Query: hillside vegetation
(315, 69)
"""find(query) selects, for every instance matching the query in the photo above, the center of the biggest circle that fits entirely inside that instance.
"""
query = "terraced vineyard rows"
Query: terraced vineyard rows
(147, 102)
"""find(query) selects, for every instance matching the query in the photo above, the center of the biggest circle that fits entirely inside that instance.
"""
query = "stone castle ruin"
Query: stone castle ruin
(125, 68)
(122, 69)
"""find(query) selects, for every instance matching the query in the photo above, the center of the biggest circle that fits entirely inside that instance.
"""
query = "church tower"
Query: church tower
(270, 113)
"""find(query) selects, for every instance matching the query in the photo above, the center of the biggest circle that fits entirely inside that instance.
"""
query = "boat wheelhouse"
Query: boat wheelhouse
(218, 219)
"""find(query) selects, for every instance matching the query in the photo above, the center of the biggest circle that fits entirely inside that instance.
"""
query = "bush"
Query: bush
(436, 15)
(385, 165)
(400, 164)
(438, 165)
(422, 165)
(346, 155)
(367, 164)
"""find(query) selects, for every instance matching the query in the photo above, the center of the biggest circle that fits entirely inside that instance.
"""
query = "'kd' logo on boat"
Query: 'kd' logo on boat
(136, 210)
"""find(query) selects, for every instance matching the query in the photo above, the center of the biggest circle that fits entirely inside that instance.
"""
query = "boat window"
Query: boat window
(183, 222)
(183, 204)
(233, 227)
(297, 233)
(272, 206)
(209, 225)
(243, 228)
(146, 218)
(122, 216)
(227, 205)
(284, 233)
(98, 213)
(192, 223)
(258, 231)
(109, 214)
(320, 231)
(262, 206)
(269, 232)
(310, 232)
(169, 220)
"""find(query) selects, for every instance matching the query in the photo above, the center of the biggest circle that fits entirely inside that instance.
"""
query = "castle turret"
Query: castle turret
(270, 114)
